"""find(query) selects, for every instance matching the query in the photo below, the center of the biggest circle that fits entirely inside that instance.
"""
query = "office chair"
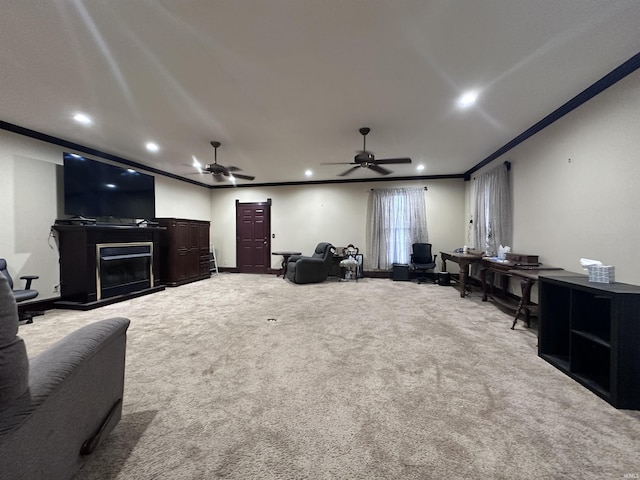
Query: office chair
(422, 260)
(21, 295)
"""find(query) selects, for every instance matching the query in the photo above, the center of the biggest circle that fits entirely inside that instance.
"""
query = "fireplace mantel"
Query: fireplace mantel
(79, 265)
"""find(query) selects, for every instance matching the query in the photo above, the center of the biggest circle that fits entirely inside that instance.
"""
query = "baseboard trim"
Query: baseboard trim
(68, 305)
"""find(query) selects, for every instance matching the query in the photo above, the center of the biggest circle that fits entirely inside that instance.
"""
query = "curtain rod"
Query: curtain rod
(425, 188)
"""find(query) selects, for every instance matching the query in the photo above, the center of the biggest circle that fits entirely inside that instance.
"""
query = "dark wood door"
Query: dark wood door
(253, 236)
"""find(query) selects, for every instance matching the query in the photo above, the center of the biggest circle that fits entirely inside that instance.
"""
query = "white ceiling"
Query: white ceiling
(286, 84)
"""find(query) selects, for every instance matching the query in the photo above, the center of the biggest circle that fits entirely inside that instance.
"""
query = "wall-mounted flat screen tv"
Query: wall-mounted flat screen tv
(97, 190)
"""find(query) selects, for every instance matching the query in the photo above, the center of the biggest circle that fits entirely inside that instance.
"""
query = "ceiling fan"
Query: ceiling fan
(220, 171)
(365, 159)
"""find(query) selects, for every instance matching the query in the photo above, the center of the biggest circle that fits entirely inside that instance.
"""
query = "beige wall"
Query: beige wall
(28, 209)
(302, 216)
(576, 185)
(175, 198)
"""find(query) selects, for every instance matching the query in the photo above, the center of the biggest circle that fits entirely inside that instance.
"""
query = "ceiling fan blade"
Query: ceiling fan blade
(339, 163)
(243, 177)
(349, 171)
(233, 169)
(380, 170)
(388, 161)
(218, 177)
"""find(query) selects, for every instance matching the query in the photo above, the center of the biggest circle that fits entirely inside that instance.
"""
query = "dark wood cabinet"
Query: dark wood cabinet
(184, 250)
(590, 331)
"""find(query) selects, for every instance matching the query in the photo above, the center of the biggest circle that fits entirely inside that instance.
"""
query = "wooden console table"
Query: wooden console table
(528, 276)
(528, 280)
(463, 260)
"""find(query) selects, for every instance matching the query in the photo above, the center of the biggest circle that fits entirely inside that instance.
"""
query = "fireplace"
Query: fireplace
(123, 268)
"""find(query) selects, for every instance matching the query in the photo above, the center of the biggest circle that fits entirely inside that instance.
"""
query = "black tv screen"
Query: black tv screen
(95, 189)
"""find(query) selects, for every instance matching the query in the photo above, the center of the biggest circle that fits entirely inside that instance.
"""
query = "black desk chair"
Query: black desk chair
(422, 260)
(21, 295)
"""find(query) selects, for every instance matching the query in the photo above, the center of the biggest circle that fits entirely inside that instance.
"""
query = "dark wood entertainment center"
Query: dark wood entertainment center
(104, 263)
(80, 259)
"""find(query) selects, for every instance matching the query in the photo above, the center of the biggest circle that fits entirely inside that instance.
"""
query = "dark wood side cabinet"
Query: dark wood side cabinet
(184, 250)
(591, 332)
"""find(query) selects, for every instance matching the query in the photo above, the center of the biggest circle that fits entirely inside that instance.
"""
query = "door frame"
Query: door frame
(267, 206)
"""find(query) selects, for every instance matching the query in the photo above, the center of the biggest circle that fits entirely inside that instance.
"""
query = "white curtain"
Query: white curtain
(398, 219)
(493, 222)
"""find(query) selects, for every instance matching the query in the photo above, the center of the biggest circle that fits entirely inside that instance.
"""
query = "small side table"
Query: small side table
(285, 260)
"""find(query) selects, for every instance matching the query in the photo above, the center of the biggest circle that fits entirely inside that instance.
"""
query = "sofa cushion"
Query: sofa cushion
(8, 313)
(14, 363)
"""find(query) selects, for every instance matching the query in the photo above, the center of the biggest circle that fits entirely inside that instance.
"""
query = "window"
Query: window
(398, 219)
(493, 225)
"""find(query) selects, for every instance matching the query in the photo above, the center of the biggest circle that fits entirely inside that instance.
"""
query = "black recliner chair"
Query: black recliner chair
(313, 269)
(21, 295)
(422, 260)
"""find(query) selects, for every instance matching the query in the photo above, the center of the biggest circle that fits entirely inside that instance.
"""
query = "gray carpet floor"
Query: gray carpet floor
(253, 377)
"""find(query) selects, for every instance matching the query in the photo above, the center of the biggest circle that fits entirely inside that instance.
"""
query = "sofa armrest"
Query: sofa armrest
(308, 270)
(310, 260)
(53, 366)
(76, 382)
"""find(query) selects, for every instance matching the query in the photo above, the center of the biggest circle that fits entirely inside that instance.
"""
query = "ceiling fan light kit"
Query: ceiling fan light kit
(219, 172)
(366, 159)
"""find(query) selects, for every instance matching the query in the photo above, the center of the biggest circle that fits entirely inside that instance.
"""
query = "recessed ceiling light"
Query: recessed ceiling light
(83, 119)
(467, 99)
(308, 173)
(152, 147)
(420, 168)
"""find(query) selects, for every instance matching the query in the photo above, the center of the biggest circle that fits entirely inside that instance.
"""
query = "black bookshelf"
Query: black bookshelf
(591, 332)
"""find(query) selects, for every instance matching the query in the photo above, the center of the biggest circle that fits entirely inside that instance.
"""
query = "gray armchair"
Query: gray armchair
(313, 269)
(56, 407)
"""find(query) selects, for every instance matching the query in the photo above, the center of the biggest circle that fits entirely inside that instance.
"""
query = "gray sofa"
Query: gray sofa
(313, 269)
(56, 407)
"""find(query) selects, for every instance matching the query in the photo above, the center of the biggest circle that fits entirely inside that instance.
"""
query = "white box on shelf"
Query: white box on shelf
(602, 273)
